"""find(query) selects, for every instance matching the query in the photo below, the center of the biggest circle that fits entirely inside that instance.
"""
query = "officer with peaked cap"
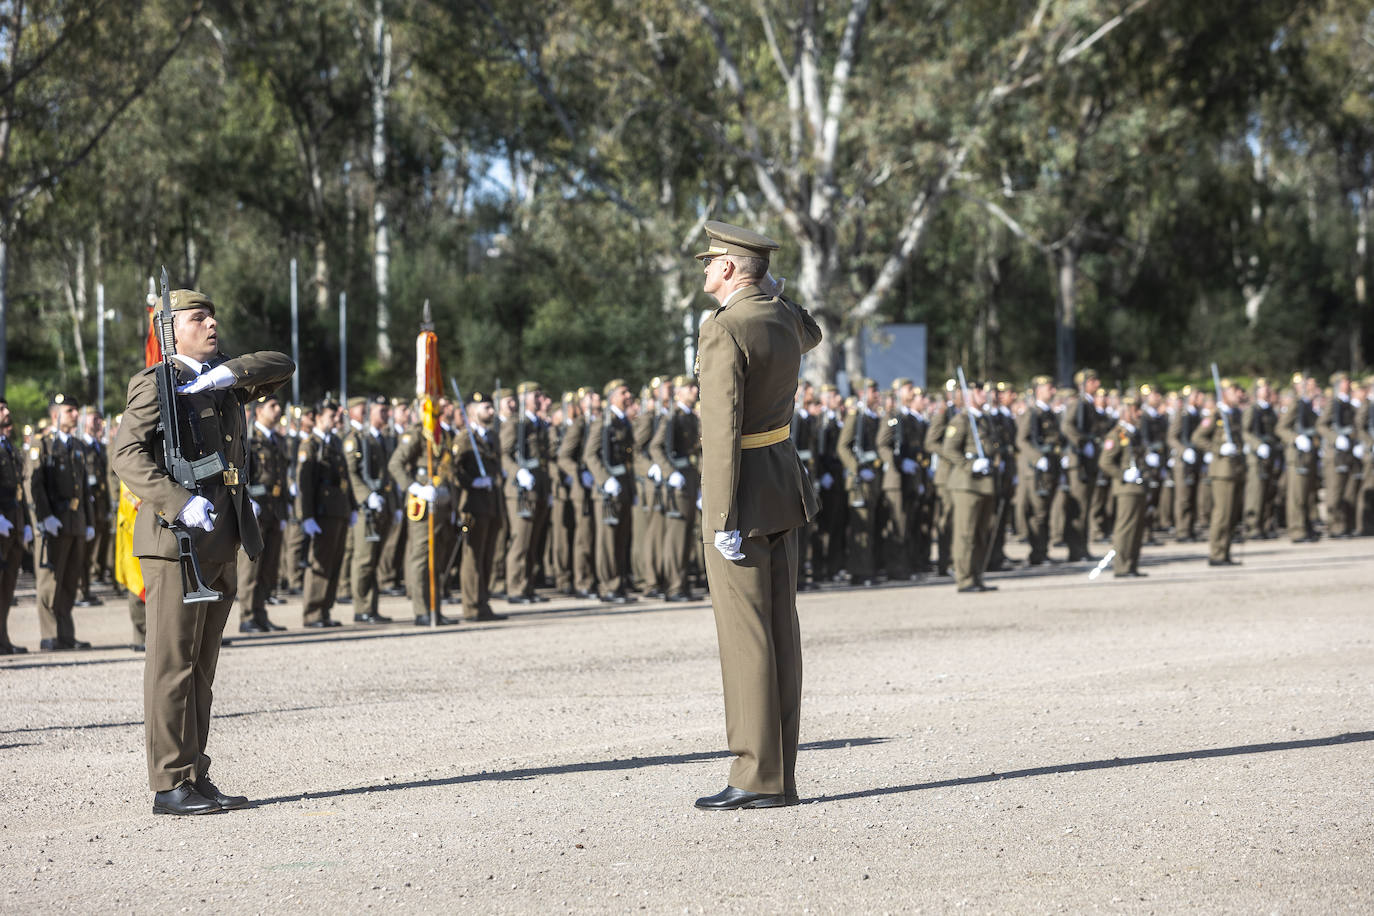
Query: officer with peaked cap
(184, 639)
(755, 495)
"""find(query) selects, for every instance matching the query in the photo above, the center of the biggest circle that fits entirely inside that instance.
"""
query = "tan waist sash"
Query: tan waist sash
(763, 440)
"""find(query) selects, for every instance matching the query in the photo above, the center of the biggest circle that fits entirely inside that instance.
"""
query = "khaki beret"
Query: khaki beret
(917, 389)
(1339, 377)
(569, 397)
(525, 388)
(1129, 401)
(725, 239)
(612, 385)
(1042, 380)
(328, 404)
(183, 299)
(900, 383)
(583, 391)
(1003, 386)
(1261, 382)
(684, 381)
(1082, 375)
(864, 384)
(399, 402)
(357, 402)
(500, 394)
(828, 388)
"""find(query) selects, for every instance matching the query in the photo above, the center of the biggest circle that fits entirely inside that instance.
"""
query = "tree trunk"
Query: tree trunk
(1364, 200)
(75, 294)
(381, 239)
(4, 301)
(1065, 260)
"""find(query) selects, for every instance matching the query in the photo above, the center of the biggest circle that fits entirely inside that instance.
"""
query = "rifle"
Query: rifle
(184, 471)
(1221, 405)
(374, 484)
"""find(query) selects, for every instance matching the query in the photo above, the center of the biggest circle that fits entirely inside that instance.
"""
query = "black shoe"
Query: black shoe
(137, 647)
(679, 598)
(294, 591)
(324, 624)
(344, 599)
(653, 593)
(1135, 573)
(968, 589)
(251, 626)
(616, 599)
(183, 800)
(10, 648)
(1227, 562)
(732, 799)
(987, 588)
(423, 620)
(585, 596)
(539, 599)
(210, 791)
(395, 593)
(267, 622)
(78, 644)
(87, 601)
(520, 599)
(500, 596)
(489, 616)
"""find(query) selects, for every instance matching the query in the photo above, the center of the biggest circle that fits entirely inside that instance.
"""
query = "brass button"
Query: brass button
(228, 438)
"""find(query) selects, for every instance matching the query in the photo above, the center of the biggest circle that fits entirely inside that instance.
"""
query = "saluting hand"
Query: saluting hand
(219, 377)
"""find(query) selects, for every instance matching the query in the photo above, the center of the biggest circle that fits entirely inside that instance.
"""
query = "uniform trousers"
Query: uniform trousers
(972, 535)
(11, 556)
(584, 543)
(297, 547)
(896, 533)
(417, 558)
(863, 528)
(1302, 493)
(522, 555)
(57, 586)
(479, 546)
(367, 556)
(1078, 507)
(325, 564)
(179, 669)
(1225, 504)
(1340, 508)
(1128, 532)
(1038, 506)
(257, 578)
(755, 605)
(613, 542)
(677, 539)
(561, 543)
(391, 566)
(1259, 495)
(1185, 499)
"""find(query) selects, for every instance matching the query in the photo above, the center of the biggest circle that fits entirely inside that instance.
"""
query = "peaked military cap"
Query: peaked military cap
(58, 399)
(725, 239)
(478, 397)
(183, 299)
(569, 397)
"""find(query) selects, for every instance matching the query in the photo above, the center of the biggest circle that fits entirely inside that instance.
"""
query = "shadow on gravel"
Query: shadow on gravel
(1348, 738)
(139, 722)
(592, 766)
(53, 660)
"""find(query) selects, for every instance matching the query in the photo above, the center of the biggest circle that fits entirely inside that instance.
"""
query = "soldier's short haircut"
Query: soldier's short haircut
(750, 268)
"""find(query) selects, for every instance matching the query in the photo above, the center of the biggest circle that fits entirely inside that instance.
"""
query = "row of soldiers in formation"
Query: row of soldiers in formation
(597, 495)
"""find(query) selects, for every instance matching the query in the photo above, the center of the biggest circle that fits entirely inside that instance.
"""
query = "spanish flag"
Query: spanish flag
(127, 571)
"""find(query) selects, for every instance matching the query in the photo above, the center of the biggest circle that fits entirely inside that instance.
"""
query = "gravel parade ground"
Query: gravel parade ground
(1200, 740)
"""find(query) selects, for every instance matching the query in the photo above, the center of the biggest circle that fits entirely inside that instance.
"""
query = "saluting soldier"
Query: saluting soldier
(526, 453)
(755, 495)
(366, 454)
(16, 532)
(609, 455)
(1123, 462)
(1220, 436)
(327, 510)
(1264, 460)
(1297, 428)
(184, 639)
(479, 506)
(59, 499)
(972, 487)
(1337, 427)
(269, 489)
(858, 449)
(1079, 428)
(676, 446)
(1038, 434)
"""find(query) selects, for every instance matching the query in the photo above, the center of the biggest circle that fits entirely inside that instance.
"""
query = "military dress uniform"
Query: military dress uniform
(525, 456)
(479, 508)
(898, 436)
(1004, 470)
(1225, 471)
(184, 639)
(410, 467)
(803, 434)
(1123, 461)
(1079, 427)
(676, 447)
(1264, 463)
(1337, 428)
(1364, 453)
(13, 543)
(296, 546)
(609, 455)
(1187, 469)
(366, 454)
(858, 448)
(95, 565)
(646, 549)
(1038, 434)
(753, 484)
(1297, 428)
(942, 505)
(269, 487)
(583, 496)
(562, 523)
(1154, 438)
(391, 566)
(828, 550)
(58, 489)
(974, 493)
(322, 482)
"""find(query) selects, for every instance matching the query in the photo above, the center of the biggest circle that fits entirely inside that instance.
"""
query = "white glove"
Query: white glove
(1043, 464)
(1207, 458)
(1342, 443)
(655, 473)
(827, 480)
(728, 543)
(1262, 450)
(28, 534)
(611, 486)
(281, 525)
(253, 503)
(294, 492)
(481, 483)
(909, 465)
(6, 526)
(676, 480)
(1064, 462)
(866, 474)
(934, 465)
(52, 526)
(588, 480)
(376, 502)
(311, 527)
(90, 534)
(423, 491)
(981, 466)
(1088, 450)
(1189, 455)
(219, 377)
(1152, 459)
(698, 500)
(1358, 451)
(1227, 449)
(1303, 443)
(196, 513)
(524, 479)
(352, 518)
(1171, 462)
(1131, 475)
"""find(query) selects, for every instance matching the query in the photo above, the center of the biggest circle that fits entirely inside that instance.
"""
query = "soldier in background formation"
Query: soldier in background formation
(612, 514)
